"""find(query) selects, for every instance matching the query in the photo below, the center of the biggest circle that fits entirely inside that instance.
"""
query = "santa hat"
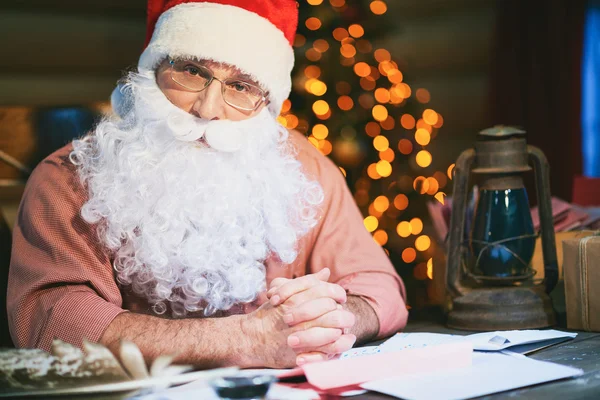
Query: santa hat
(255, 36)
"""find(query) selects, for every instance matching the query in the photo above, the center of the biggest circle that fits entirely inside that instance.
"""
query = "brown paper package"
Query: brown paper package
(581, 266)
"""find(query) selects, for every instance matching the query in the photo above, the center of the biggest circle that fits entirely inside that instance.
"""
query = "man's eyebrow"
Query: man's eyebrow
(244, 76)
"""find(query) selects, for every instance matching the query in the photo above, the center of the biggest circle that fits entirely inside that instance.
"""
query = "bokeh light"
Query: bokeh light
(416, 226)
(405, 146)
(313, 23)
(355, 30)
(422, 243)
(320, 107)
(407, 121)
(371, 223)
(423, 158)
(404, 229)
(401, 201)
(380, 237)
(381, 143)
(383, 167)
(422, 137)
(320, 131)
(381, 203)
(380, 113)
(409, 255)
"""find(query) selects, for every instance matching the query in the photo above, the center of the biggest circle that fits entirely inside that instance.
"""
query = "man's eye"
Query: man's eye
(239, 86)
(192, 70)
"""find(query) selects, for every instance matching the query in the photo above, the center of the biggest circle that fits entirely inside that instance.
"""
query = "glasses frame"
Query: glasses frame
(223, 82)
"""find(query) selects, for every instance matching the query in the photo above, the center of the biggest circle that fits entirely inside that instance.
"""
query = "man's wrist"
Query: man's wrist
(246, 349)
(367, 322)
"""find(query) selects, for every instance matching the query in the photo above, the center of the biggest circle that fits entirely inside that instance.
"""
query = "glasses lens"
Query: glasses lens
(242, 94)
(190, 75)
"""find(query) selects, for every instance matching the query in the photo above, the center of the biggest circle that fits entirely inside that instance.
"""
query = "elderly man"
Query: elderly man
(167, 225)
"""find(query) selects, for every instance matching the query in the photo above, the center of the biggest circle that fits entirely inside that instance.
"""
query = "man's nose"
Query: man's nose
(210, 104)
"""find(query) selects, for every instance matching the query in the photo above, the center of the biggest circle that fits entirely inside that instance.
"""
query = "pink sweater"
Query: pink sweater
(62, 283)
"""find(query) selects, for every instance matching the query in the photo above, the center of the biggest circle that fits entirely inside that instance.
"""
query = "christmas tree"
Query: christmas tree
(355, 105)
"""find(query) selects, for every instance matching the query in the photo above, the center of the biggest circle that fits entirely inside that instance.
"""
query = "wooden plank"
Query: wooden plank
(428, 8)
(41, 44)
(23, 90)
(105, 7)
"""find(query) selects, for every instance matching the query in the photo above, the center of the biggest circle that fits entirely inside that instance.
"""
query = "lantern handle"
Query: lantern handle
(542, 187)
(457, 222)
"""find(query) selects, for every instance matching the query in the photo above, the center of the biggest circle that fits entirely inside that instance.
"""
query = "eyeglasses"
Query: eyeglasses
(236, 92)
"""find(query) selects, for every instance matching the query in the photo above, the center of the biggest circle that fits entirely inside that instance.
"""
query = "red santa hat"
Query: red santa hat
(255, 36)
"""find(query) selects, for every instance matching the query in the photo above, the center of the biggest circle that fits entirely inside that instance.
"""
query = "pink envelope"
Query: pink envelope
(352, 371)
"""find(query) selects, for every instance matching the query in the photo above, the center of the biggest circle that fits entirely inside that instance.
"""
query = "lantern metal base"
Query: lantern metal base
(502, 309)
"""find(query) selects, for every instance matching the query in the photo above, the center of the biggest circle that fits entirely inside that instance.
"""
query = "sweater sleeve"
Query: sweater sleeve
(61, 283)
(356, 261)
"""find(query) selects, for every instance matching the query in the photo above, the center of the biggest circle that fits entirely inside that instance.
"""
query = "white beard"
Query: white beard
(191, 226)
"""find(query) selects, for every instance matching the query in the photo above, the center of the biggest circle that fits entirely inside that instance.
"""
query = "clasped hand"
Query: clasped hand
(304, 321)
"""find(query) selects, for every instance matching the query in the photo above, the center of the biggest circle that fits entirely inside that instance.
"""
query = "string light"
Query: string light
(313, 23)
(355, 30)
(401, 202)
(345, 103)
(404, 229)
(424, 159)
(430, 117)
(371, 223)
(381, 237)
(381, 143)
(422, 243)
(423, 95)
(382, 55)
(416, 226)
(320, 131)
(380, 113)
(407, 121)
(405, 146)
(422, 137)
(409, 255)
(374, 84)
(450, 171)
(430, 268)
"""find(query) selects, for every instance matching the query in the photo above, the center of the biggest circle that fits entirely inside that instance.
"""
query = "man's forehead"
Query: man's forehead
(231, 70)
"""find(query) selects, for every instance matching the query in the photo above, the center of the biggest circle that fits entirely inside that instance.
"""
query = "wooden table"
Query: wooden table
(583, 352)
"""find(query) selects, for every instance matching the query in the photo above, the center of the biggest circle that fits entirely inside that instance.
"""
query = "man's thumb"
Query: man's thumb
(324, 274)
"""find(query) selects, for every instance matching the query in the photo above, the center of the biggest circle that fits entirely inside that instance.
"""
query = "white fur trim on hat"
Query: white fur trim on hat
(226, 34)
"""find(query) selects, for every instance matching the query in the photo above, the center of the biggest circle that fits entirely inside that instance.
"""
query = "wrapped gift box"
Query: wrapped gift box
(581, 266)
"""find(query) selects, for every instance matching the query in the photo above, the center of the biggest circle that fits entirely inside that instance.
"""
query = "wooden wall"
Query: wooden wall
(54, 54)
(71, 52)
(447, 48)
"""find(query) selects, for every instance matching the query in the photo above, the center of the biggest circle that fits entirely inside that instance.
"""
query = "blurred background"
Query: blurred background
(391, 90)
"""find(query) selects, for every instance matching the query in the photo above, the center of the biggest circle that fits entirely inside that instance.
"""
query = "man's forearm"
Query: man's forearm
(366, 326)
(205, 342)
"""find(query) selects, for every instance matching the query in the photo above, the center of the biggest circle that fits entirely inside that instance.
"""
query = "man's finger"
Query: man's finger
(313, 338)
(327, 352)
(344, 343)
(341, 319)
(309, 310)
(311, 357)
(325, 289)
(297, 285)
(275, 284)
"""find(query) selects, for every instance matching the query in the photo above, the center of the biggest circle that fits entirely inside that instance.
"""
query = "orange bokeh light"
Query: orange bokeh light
(409, 255)
(401, 201)
(405, 146)
(313, 23)
(407, 121)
